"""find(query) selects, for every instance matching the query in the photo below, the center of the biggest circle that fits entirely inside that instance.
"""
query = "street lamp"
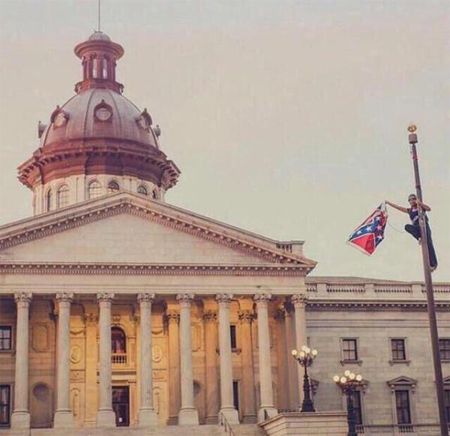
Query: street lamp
(439, 382)
(305, 358)
(348, 383)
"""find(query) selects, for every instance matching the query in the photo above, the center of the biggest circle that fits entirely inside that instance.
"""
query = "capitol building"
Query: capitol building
(120, 312)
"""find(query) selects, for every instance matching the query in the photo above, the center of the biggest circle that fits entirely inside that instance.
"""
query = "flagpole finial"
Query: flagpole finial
(99, 16)
(412, 137)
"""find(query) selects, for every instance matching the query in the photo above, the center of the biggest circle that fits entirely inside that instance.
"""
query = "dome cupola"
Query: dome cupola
(98, 141)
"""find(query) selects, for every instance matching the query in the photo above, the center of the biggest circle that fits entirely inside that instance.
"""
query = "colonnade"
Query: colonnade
(181, 360)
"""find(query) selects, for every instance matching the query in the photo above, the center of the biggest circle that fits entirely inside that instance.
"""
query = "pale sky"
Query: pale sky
(286, 118)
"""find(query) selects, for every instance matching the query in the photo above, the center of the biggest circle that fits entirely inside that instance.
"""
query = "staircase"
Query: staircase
(196, 430)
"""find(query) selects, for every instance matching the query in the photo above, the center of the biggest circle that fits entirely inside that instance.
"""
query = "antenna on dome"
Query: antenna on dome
(99, 15)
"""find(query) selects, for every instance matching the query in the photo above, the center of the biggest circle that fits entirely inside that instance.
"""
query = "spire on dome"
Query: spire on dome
(98, 57)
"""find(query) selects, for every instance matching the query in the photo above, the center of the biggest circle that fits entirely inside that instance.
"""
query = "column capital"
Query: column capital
(185, 299)
(105, 297)
(210, 316)
(299, 300)
(262, 298)
(224, 298)
(246, 316)
(280, 313)
(145, 298)
(64, 297)
(173, 316)
(23, 297)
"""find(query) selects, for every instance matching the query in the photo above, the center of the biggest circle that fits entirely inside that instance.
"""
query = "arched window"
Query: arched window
(62, 196)
(142, 190)
(118, 341)
(155, 194)
(48, 200)
(113, 187)
(94, 189)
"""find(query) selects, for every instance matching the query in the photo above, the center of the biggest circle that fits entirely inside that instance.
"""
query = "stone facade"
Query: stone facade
(224, 308)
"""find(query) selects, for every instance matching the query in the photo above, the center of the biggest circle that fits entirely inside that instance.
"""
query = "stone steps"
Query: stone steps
(175, 430)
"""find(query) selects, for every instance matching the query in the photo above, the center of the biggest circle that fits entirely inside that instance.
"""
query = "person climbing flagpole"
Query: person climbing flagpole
(412, 138)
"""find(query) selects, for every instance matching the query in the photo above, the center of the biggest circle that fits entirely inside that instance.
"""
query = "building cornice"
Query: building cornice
(374, 306)
(149, 269)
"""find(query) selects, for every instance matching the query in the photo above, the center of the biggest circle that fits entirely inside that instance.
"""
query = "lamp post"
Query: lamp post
(412, 139)
(348, 383)
(305, 358)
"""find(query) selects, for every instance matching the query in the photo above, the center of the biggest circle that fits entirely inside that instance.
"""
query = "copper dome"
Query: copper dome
(99, 131)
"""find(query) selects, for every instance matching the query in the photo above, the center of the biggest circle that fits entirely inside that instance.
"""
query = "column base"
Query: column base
(63, 419)
(106, 418)
(147, 418)
(20, 420)
(188, 416)
(265, 413)
(230, 414)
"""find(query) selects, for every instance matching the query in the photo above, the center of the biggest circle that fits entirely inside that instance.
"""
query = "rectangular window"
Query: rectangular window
(403, 407)
(357, 406)
(233, 336)
(447, 404)
(5, 338)
(444, 348)
(398, 349)
(350, 349)
(236, 394)
(5, 405)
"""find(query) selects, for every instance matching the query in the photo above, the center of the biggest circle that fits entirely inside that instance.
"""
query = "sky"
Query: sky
(286, 118)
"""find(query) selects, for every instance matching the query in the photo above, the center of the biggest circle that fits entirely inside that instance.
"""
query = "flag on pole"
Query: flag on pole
(370, 233)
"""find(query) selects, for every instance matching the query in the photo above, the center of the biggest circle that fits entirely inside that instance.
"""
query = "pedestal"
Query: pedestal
(63, 419)
(147, 418)
(106, 418)
(188, 416)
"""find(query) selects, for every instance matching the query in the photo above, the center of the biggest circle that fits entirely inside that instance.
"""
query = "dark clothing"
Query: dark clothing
(413, 213)
(414, 229)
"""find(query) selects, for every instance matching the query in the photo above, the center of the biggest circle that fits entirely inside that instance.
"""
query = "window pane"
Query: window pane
(349, 349)
(447, 404)
(398, 349)
(118, 341)
(5, 338)
(142, 190)
(233, 336)
(62, 196)
(357, 407)
(113, 187)
(403, 409)
(94, 190)
(5, 405)
(444, 348)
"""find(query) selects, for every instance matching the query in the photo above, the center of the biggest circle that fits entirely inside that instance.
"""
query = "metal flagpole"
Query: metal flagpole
(429, 289)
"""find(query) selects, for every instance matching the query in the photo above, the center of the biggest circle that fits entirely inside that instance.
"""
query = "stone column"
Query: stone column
(63, 414)
(299, 302)
(188, 414)
(246, 318)
(173, 320)
(212, 376)
(147, 415)
(20, 418)
(226, 365)
(105, 415)
(283, 357)
(265, 367)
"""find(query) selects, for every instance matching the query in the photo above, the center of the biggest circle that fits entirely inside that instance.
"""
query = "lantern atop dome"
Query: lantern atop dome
(98, 57)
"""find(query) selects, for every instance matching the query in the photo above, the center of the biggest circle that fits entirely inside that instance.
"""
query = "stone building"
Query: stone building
(119, 309)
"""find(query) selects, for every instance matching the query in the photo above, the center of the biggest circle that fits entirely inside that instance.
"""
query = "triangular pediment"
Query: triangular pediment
(125, 228)
(402, 381)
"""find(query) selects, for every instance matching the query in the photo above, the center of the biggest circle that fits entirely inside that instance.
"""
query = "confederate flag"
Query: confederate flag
(370, 233)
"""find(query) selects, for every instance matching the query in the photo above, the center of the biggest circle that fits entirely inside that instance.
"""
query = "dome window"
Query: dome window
(103, 112)
(94, 190)
(142, 190)
(62, 196)
(113, 187)
(59, 118)
(48, 200)
(155, 194)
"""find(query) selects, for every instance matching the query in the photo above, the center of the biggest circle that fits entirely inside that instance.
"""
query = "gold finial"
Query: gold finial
(412, 128)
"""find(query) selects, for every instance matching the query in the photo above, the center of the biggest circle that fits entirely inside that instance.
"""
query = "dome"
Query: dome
(99, 114)
(99, 36)
(99, 131)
